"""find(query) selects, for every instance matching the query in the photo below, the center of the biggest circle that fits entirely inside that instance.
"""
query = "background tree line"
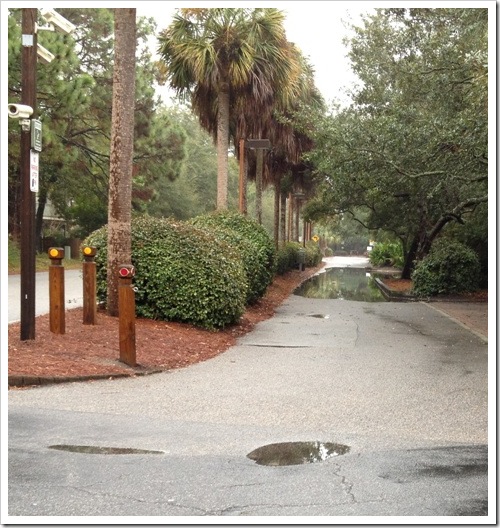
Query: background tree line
(409, 157)
(174, 164)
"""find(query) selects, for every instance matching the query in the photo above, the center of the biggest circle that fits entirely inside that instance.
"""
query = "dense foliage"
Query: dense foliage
(450, 267)
(291, 254)
(387, 254)
(74, 96)
(250, 240)
(183, 273)
(411, 152)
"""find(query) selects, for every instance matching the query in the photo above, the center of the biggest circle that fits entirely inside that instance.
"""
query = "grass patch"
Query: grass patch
(42, 261)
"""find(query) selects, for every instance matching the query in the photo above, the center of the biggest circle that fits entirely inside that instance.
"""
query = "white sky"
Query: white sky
(316, 27)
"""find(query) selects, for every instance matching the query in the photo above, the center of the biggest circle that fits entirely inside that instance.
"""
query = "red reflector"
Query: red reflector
(124, 272)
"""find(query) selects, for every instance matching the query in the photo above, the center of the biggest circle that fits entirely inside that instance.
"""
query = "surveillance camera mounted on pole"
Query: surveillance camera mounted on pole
(59, 22)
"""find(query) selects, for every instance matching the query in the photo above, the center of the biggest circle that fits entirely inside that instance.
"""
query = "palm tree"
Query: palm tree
(214, 56)
(289, 139)
(121, 152)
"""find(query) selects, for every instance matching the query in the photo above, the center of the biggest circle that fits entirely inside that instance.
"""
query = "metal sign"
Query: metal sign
(258, 143)
(34, 156)
(36, 135)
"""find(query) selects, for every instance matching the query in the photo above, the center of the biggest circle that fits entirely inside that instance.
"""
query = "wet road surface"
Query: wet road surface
(402, 386)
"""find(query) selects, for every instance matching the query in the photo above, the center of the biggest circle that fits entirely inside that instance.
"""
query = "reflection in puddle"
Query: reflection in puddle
(352, 284)
(293, 453)
(96, 450)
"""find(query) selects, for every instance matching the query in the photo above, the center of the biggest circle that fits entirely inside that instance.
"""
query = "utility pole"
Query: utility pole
(28, 97)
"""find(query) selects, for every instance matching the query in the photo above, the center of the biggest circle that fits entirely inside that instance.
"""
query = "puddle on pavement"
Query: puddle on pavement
(96, 450)
(294, 453)
(351, 284)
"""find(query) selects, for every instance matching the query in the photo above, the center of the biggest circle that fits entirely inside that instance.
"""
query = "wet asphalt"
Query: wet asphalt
(403, 386)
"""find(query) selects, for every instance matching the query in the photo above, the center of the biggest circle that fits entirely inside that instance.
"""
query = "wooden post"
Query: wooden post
(126, 312)
(57, 322)
(89, 286)
(27, 205)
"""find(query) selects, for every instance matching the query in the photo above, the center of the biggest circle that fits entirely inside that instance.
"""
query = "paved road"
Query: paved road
(73, 293)
(403, 386)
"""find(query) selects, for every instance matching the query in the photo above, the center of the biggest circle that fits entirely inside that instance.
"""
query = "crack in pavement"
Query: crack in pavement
(346, 484)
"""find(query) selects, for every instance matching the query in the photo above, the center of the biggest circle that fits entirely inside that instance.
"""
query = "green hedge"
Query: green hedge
(183, 273)
(252, 242)
(450, 267)
(288, 256)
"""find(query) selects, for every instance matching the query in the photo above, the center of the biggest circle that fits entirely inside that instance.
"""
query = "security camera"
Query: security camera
(60, 23)
(44, 54)
(19, 111)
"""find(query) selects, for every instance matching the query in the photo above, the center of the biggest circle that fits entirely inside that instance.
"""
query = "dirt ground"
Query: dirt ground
(93, 350)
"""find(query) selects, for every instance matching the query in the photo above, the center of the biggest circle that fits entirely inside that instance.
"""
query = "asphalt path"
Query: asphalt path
(404, 387)
(73, 293)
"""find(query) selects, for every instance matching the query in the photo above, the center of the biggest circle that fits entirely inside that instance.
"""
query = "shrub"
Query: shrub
(252, 242)
(450, 267)
(313, 255)
(387, 254)
(183, 273)
(288, 256)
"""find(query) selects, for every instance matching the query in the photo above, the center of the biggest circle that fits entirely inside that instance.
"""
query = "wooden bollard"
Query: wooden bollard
(126, 313)
(89, 286)
(56, 291)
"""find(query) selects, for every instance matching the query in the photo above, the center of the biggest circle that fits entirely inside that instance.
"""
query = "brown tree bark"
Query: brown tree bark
(222, 145)
(121, 152)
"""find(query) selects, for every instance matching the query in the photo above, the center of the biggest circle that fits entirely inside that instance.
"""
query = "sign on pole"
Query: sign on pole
(36, 135)
(34, 156)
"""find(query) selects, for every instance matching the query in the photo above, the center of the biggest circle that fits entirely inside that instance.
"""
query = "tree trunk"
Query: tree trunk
(276, 228)
(410, 258)
(258, 185)
(121, 152)
(222, 145)
(290, 216)
(243, 179)
(283, 217)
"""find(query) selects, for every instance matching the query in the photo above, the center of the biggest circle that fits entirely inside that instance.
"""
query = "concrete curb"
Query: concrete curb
(27, 381)
(392, 295)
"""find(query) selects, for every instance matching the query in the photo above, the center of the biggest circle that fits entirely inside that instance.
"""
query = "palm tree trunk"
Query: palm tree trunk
(258, 185)
(243, 179)
(222, 145)
(121, 152)
(276, 229)
(283, 217)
